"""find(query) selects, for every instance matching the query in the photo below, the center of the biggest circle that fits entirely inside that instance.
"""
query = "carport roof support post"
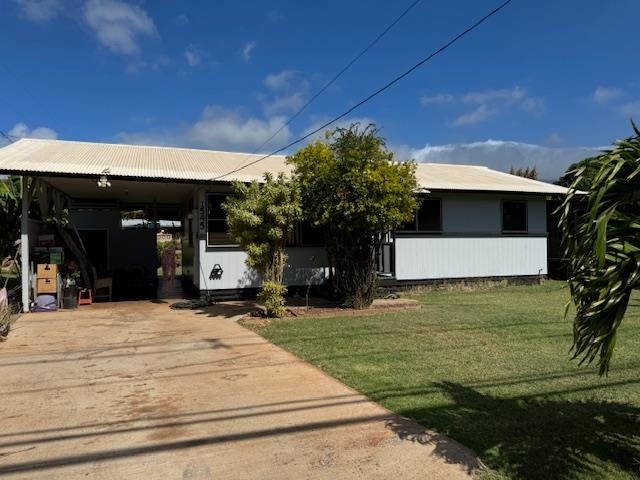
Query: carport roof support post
(24, 245)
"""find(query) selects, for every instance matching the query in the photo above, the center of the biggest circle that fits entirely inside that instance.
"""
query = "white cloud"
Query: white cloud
(228, 129)
(280, 81)
(480, 114)
(247, 50)
(182, 20)
(218, 128)
(500, 155)
(22, 130)
(605, 95)
(509, 96)
(285, 103)
(192, 57)
(118, 25)
(532, 105)
(156, 64)
(632, 108)
(289, 93)
(489, 103)
(275, 16)
(437, 99)
(554, 139)
(39, 10)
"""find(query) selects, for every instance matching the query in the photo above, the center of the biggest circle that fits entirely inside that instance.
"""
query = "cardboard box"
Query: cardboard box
(46, 285)
(47, 270)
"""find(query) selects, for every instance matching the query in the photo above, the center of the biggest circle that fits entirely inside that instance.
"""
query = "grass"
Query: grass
(491, 369)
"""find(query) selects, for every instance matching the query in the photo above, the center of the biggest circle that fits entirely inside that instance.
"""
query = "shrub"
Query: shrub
(272, 297)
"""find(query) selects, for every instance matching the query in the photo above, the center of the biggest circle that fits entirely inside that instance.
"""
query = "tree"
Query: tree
(351, 187)
(602, 241)
(260, 216)
(527, 172)
(10, 213)
(589, 168)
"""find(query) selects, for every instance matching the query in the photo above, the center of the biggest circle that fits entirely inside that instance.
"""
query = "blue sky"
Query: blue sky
(543, 82)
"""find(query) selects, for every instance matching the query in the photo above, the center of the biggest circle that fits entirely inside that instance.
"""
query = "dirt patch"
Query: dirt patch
(326, 309)
(378, 306)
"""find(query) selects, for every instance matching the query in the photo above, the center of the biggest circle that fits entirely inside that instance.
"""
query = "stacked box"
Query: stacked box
(47, 278)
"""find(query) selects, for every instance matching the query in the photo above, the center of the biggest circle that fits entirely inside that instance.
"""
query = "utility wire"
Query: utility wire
(11, 138)
(338, 75)
(377, 92)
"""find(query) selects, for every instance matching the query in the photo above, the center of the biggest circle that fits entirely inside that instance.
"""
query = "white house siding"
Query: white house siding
(472, 243)
(479, 213)
(420, 258)
(304, 264)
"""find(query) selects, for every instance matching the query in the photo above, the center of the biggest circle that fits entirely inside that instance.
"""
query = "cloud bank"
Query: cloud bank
(551, 162)
(218, 128)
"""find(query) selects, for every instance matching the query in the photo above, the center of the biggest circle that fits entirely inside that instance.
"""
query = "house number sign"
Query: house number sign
(201, 218)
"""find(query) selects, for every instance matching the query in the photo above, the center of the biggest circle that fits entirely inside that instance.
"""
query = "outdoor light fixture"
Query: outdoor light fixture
(104, 182)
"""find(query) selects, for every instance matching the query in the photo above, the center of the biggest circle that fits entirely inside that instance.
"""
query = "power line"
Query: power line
(338, 75)
(11, 138)
(377, 92)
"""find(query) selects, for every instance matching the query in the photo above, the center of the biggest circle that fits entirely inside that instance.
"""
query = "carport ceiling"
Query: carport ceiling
(122, 191)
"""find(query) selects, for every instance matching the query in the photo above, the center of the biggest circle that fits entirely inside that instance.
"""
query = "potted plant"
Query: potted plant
(70, 287)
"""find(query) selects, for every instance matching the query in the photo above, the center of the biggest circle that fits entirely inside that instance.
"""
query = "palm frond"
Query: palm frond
(601, 235)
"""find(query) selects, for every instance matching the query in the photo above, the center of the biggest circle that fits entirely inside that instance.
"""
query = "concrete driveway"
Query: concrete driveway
(135, 390)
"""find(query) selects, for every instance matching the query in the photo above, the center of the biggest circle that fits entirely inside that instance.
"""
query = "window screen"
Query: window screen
(217, 232)
(514, 216)
(428, 217)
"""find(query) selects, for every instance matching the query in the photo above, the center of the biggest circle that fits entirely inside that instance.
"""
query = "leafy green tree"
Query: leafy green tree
(10, 213)
(260, 216)
(602, 241)
(351, 186)
(588, 168)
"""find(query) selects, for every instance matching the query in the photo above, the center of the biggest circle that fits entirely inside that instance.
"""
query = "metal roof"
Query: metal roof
(58, 157)
(85, 159)
(439, 176)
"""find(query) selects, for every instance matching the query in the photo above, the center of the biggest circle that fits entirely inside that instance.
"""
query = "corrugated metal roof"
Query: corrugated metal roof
(58, 157)
(438, 176)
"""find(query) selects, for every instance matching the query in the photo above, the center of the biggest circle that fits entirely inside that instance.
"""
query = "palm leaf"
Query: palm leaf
(600, 237)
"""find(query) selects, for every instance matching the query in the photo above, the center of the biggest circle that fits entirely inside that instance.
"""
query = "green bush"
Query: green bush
(272, 297)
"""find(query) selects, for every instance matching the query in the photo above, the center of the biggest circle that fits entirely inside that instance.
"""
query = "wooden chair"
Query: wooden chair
(102, 287)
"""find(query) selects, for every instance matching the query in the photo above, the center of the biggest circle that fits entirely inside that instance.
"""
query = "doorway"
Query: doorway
(169, 250)
(96, 244)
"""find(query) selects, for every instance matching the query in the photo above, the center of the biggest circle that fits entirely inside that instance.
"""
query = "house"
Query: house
(474, 222)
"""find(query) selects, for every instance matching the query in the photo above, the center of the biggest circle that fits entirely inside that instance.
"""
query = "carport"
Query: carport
(91, 186)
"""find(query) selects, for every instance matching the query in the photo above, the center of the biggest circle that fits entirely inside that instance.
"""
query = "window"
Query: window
(217, 232)
(310, 235)
(306, 235)
(428, 217)
(514, 216)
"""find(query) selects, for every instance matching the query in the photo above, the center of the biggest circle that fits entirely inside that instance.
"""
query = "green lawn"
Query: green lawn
(491, 369)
